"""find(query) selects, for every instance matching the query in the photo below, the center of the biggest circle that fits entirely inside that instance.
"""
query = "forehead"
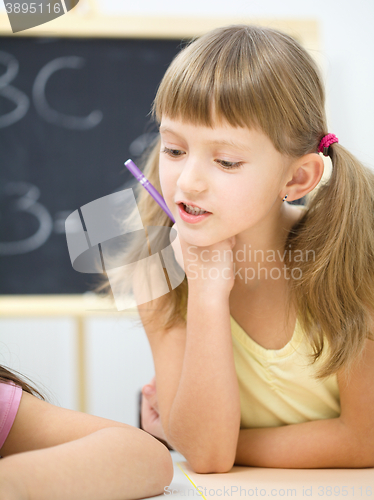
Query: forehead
(220, 132)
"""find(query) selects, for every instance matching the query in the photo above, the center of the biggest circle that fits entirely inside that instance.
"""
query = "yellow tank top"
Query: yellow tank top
(277, 386)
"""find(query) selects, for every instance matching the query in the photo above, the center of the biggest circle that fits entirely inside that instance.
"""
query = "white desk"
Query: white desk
(257, 482)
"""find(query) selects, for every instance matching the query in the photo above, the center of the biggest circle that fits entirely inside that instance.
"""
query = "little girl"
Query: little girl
(264, 355)
(54, 453)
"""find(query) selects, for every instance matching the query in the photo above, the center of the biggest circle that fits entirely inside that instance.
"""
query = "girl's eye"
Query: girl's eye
(229, 165)
(172, 152)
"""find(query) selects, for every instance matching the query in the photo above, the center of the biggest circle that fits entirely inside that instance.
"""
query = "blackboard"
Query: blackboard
(71, 112)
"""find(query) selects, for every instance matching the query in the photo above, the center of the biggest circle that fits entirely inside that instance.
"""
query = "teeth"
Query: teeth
(193, 210)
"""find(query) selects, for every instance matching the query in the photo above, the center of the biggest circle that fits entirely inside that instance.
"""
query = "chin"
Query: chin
(199, 240)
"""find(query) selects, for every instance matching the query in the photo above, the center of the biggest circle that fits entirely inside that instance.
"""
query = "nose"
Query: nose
(192, 178)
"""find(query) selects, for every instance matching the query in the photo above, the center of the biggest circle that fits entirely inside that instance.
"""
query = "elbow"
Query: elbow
(210, 465)
(166, 466)
(214, 469)
(162, 474)
(370, 453)
(366, 460)
(205, 467)
(205, 463)
(201, 463)
(362, 452)
(159, 463)
(363, 462)
(214, 455)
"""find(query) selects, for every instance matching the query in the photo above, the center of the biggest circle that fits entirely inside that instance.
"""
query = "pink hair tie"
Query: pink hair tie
(326, 141)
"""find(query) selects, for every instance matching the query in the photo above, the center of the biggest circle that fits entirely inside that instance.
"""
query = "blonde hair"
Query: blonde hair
(257, 77)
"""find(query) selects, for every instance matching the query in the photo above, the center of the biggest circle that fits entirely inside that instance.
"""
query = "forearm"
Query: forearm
(204, 419)
(318, 444)
(113, 463)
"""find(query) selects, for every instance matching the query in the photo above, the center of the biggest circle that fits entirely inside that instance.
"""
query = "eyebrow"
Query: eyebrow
(225, 142)
(214, 142)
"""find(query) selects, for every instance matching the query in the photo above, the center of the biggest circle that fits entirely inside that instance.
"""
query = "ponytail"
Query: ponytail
(335, 292)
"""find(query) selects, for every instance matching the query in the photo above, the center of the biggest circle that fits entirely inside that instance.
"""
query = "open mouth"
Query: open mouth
(193, 210)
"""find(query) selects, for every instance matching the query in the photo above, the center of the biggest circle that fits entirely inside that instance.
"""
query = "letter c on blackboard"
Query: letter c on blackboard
(51, 115)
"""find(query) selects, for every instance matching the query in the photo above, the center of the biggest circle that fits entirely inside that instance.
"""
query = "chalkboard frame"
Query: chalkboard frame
(95, 24)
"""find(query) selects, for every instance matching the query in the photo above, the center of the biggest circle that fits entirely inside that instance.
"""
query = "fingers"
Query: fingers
(150, 420)
(148, 414)
(150, 388)
(149, 392)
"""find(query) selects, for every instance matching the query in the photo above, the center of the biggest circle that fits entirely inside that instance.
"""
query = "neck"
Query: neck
(260, 252)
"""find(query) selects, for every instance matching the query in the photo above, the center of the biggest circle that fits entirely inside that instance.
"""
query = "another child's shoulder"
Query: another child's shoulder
(10, 397)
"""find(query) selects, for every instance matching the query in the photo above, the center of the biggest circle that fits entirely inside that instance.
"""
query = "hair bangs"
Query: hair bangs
(205, 84)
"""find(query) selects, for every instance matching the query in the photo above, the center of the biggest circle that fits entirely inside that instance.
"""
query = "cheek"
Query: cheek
(164, 179)
(168, 179)
(243, 209)
(249, 200)
(241, 193)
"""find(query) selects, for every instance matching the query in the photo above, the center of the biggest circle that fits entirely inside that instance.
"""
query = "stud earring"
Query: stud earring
(284, 199)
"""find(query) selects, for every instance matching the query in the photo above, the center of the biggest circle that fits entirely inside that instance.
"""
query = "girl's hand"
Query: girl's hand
(210, 266)
(150, 416)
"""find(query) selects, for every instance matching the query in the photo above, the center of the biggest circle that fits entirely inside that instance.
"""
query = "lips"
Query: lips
(191, 218)
(183, 202)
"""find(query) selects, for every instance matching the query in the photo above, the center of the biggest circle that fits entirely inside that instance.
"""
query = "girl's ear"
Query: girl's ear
(305, 172)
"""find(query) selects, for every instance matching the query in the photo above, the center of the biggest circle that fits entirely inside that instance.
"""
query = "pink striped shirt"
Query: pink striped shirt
(10, 397)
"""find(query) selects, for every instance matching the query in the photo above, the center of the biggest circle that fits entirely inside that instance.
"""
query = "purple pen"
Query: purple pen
(138, 174)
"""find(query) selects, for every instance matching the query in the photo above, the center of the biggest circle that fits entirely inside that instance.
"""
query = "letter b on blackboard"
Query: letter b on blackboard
(25, 15)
